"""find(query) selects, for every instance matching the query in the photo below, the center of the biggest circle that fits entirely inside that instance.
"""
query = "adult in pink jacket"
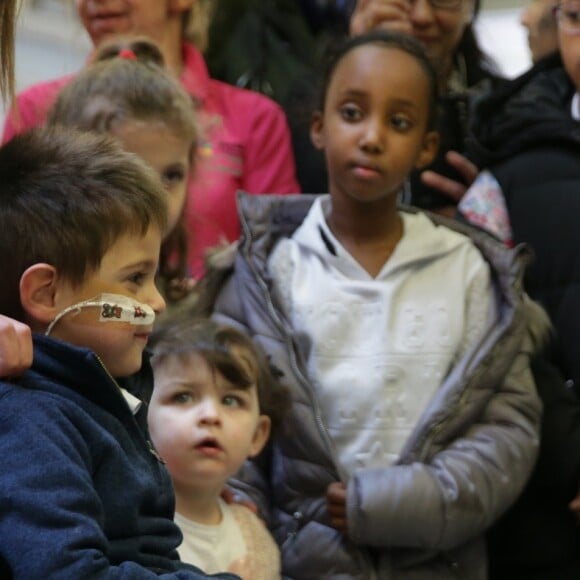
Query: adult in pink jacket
(245, 143)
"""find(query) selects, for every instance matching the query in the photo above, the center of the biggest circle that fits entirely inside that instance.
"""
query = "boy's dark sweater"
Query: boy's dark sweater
(82, 495)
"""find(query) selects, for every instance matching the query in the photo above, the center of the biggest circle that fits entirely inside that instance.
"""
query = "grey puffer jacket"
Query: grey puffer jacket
(466, 461)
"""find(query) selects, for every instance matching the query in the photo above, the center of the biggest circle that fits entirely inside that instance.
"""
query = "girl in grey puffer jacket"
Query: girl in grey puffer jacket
(404, 339)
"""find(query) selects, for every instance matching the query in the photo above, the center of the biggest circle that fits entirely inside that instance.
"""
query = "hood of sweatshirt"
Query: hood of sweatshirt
(422, 241)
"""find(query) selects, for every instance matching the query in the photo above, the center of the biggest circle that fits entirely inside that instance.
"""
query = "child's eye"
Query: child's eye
(401, 123)
(138, 278)
(173, 175)
(233, 401)
(182, 398)
(573, 16)
(350, 112)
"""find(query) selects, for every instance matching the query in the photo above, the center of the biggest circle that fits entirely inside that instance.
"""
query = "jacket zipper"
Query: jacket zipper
(292, 350)
(148, 443)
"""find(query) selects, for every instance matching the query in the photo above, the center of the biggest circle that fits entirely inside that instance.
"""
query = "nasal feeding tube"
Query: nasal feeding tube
(113, 308)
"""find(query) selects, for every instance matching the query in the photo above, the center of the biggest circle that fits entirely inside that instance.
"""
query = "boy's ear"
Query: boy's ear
(38, 286)
(260, 435)
(317, 130)
(429, 150)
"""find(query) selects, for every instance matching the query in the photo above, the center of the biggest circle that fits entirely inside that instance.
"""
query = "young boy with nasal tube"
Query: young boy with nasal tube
(83, 494)
(404, 339)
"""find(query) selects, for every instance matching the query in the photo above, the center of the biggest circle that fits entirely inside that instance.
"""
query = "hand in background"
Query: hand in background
(15, 347)
(336, 504)
(380, 14)
(454, 190)
(574, 505)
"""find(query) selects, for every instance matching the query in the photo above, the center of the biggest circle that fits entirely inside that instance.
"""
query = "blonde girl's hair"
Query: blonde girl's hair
(126, 80)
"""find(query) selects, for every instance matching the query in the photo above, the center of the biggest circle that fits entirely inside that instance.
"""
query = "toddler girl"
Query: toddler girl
(213, 405)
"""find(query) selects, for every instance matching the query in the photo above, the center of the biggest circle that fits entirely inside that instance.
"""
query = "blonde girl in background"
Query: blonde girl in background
(126, 93)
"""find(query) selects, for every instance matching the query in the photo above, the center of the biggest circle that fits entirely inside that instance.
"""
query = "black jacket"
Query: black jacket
(525, 136)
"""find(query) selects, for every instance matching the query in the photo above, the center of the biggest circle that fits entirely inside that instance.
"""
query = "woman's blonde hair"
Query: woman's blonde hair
(196, 23)
(8, 10)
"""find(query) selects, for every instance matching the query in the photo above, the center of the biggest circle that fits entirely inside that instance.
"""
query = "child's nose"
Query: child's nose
(372, 139)
(208, 411)
(156, 300)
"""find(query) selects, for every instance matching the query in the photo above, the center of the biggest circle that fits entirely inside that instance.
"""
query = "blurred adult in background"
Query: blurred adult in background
(277, 48)
(540, 22)
(269, 46)
(246, 142)
(526, 137)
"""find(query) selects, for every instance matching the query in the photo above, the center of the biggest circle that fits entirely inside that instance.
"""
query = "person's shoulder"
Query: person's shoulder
(31, 396)
(43, 90)
(32, 106)
(435, 226)
(7, 392)
(439, 236)
(250, 102)
(533, 83)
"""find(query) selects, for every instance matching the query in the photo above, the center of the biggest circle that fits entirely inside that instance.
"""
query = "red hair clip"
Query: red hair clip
(128, 54)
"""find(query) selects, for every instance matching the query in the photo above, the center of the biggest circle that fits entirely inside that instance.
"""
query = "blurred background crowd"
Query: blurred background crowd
(50, 41)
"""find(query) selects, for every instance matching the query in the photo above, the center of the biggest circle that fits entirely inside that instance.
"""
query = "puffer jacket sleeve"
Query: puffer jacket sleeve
(464, 486)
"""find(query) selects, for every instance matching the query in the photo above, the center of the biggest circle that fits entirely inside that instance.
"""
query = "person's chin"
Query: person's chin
(105, 30)
(127, 368)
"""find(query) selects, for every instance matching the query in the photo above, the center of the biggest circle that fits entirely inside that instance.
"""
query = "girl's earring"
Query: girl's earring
(405, 193)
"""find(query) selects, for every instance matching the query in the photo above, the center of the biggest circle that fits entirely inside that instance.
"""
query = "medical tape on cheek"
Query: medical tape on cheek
(113, 308)
(118, 308)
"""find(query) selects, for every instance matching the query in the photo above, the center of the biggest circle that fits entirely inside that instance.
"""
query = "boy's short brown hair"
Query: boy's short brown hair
(227, 351)
(65, 198)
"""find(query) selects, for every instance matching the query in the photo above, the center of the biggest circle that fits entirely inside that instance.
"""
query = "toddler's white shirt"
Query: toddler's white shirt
(211, 548)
